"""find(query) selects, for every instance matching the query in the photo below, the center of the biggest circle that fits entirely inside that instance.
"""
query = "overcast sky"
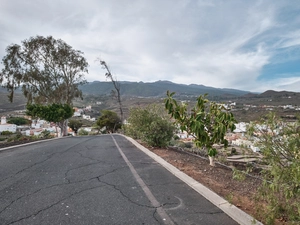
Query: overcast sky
(246, 45)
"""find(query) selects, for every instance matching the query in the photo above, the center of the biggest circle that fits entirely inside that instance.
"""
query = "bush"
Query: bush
(18, 121)
(6, 132)
(83, 132)
(45, 134)
(149, 125)
(3, 138)
(175, 137)
(188, 145)
(279, 144)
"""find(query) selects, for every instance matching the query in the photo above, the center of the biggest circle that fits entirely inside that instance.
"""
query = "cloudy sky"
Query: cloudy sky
(246, 45)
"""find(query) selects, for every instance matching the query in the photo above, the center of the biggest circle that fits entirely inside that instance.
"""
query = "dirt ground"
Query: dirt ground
(219, 179)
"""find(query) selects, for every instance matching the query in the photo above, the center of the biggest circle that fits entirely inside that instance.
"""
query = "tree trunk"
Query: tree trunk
(65, 125)
(211, 160)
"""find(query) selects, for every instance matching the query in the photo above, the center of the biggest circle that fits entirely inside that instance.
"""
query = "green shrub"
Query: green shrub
(83, 132)
(188, 144)
(45, 134)
(175, 137)
(150, 125)
(3, 138)
(279, 144)
(6, 132)
(18, 121)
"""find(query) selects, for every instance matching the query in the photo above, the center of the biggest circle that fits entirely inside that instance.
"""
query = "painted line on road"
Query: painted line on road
(161, 212)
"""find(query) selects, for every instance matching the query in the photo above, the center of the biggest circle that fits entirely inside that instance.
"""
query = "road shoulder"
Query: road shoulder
(235, 213)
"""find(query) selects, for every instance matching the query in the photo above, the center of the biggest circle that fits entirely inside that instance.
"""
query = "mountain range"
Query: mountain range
(159, 89)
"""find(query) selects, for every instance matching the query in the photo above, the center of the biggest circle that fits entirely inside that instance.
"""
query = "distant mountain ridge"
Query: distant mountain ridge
(158, 89)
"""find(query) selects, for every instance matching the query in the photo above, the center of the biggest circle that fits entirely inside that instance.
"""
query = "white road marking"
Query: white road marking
(161, 212)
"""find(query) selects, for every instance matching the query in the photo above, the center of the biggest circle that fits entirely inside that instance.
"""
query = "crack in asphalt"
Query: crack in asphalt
(136, 203)
(79, 192)
(50, 206)
(42, 161)
(125, 196)
(68, 182)
(57, 185)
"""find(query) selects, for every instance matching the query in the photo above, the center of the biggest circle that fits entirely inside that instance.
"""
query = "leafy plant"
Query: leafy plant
(279, 143)
(83, 132)
(6, 132)
(208, 122)
(150, 125)
(18, 121)
(75, 125)
(238, 175)
(108, 120)
(57, 113)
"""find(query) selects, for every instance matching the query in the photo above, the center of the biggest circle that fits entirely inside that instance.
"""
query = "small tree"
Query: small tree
(75, 125)
(58, 113)
(150, 125)
(208, 122)
(279, 144)
(109, 120)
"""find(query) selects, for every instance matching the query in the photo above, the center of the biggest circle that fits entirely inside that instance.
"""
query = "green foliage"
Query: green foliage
(83, 132)
(150, 125)
(208, 121)
(238, 175)
(48, 70)
(75, 125)
(57, 113)
(18, 121)
(279, 144)
(6, 132)
(52, 113)
(109, 120)
(175, 137)
(45, 134)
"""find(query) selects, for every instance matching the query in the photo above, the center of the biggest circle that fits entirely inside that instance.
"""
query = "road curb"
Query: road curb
(235, 213)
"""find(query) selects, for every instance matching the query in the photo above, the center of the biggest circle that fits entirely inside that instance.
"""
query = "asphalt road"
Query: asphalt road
(95, 180)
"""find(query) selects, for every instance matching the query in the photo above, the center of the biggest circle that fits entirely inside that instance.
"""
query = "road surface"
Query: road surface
(95, 180)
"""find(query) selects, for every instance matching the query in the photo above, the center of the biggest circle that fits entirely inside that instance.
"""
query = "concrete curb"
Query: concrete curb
(235, 213)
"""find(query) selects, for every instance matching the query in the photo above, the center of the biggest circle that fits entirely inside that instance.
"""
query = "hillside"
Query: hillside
(158, 89)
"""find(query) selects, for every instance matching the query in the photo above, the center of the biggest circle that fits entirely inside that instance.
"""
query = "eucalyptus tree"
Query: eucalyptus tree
(47, 70)
(208, 122)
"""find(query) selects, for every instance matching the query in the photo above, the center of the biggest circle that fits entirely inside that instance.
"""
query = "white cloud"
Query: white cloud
(214, 43)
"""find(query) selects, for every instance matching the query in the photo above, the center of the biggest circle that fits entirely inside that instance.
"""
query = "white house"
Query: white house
(78, 114)
(86, 117)
(240, 127)
(38, 124)
(36, 131)
(6, 126)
